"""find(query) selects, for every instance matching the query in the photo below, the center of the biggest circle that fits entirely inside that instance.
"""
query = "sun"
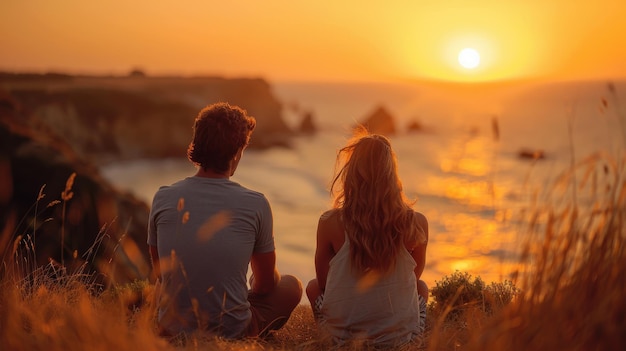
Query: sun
(469, 58)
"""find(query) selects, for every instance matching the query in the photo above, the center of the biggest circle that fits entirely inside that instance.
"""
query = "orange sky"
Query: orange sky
(320, 40)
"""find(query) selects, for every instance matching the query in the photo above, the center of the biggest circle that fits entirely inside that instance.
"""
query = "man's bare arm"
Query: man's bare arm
(264, 272)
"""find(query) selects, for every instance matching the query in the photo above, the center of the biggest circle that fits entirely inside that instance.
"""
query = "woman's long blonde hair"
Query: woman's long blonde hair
(378, 217)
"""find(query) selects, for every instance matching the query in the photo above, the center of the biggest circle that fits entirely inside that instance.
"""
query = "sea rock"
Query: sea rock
(415, 126)
(380, 121)
(56, 208)
(130, 117)
(531, 154)
(307, 125)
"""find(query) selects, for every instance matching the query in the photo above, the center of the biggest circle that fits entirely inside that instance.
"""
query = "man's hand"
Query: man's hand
(154, 259)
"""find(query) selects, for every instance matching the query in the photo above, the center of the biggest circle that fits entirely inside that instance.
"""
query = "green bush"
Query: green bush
(458, 291)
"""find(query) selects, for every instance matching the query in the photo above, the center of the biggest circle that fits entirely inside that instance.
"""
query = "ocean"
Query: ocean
(465, 174)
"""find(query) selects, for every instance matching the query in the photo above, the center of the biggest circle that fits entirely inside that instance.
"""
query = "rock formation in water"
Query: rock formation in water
(307, 125)
(531, 154)
(380, 121)
(415, 126)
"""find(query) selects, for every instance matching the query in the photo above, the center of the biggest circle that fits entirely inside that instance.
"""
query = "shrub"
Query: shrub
(458, 291)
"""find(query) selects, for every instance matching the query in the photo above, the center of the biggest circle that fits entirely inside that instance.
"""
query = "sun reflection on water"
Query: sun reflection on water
(469, 156)
(479, 238)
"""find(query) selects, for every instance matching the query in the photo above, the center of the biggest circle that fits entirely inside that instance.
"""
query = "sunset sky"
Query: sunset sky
(318, 40)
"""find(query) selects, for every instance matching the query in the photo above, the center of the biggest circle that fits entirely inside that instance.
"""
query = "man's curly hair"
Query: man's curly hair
(219, 131)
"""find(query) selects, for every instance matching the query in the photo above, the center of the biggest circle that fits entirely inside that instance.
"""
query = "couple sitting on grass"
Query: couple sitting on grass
(205, 230)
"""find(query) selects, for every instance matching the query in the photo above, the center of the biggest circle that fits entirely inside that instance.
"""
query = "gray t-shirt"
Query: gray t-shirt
(205, 230)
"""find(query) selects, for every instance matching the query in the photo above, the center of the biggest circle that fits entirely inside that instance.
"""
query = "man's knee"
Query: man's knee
(293, 289)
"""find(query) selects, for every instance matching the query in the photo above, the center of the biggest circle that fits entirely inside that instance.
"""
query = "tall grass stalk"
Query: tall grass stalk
(66, 196)
(572, 271)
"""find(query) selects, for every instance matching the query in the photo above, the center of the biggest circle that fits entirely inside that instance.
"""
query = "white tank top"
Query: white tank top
(380, 310)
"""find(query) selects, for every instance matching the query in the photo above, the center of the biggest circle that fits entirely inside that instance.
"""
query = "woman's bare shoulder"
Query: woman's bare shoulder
(330, 215)
(330, 228)
(420, 221)
(420, 218)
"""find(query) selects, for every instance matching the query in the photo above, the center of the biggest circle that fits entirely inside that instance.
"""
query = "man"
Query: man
(203, 232)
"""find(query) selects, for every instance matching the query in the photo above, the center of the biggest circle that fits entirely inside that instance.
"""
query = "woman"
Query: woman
(371, 249)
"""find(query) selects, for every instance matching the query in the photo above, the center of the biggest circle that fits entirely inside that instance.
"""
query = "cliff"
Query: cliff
(49, 215)
(113, 118)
